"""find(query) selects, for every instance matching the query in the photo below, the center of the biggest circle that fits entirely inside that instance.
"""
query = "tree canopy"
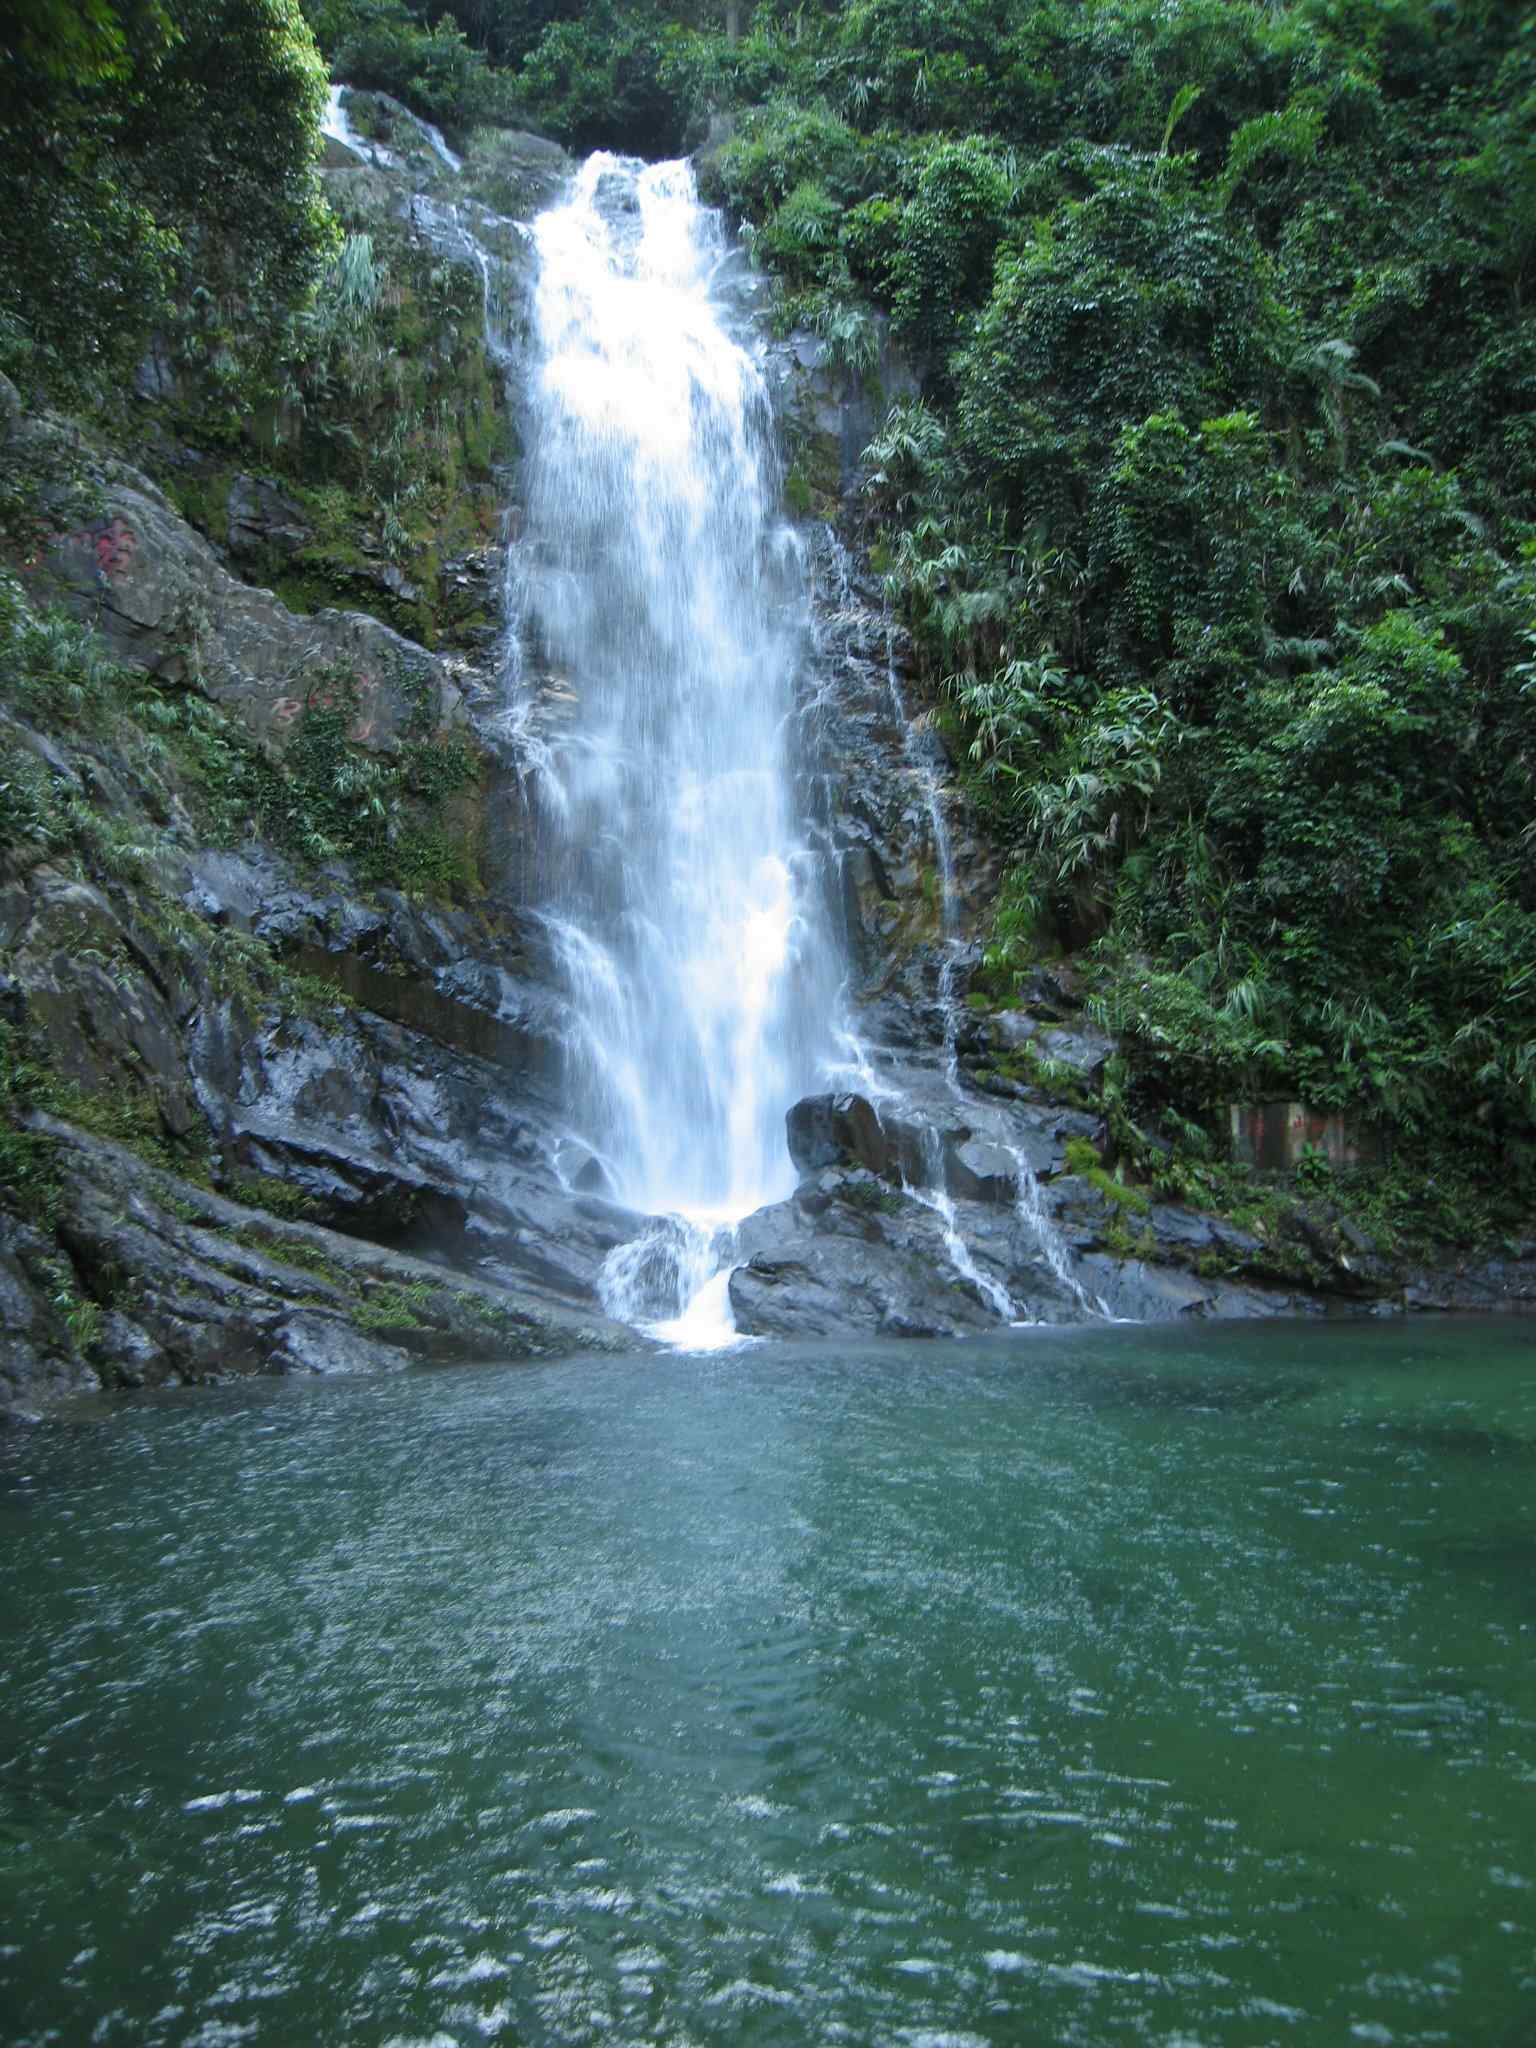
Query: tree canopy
(151, 150)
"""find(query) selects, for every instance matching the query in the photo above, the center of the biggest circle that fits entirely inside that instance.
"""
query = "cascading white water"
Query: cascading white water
(662, 605)
(335, 123)
(657, 582)
(1029, 1200)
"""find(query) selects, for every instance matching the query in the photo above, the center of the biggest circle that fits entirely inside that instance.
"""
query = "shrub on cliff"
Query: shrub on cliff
(153, 153)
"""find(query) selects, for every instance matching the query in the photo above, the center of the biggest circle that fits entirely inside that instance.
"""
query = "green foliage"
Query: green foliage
(281, 1198)
(290, 1251)
(784, 145)
(1291, 135)
(1081, 1157)
(154, 159)
(381, 414)
(1119, 1194)
(1137, 299)
(30, 1085)
(800, 235)
(386, 1307)
(924, 64)
(385, 46)
(955, 216)
(599, 80)
(29, 1181)
(1213, 531)
(330, 799)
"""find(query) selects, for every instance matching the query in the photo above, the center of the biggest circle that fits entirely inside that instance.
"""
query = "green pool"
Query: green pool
(1121, 1686)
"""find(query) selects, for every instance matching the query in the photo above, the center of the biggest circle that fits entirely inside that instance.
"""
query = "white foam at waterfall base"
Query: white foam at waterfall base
(673, 1281)
(652, 579)
(707, 1323)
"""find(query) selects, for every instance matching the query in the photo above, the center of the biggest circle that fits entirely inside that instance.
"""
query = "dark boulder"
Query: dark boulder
(848, 1252)
(928, 1136)
(264, 523)
(1083, 1052)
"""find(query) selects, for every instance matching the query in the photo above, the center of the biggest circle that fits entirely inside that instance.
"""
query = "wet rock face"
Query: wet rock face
(1082, 1052)
(1507, 1283)
(162, 601)
(39, 1362)
(515, 172)
(264, 522)
(870, 751)
(428, 1115)
(831, 412)
(197, 1287)
(856, 1249)
(925, 1136)
(848, 1254)
(845, 1255)
(474, 980)
(419, 1123)
(836, 1130)
(107, 998)
(1136, 1290)
(394, 1137)
(413, 1125)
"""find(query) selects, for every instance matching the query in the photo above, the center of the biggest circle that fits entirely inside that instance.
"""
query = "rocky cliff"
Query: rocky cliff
(267, 1112)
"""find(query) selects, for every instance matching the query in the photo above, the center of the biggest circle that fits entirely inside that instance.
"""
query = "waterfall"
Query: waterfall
(335, 123)
(1030, 1203)
(663, 599)
(661, 623)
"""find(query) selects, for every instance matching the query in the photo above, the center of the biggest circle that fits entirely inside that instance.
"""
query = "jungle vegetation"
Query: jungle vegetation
(1216, 523)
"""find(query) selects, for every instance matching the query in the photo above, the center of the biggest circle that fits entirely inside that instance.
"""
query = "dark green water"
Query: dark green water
(1139, 1686)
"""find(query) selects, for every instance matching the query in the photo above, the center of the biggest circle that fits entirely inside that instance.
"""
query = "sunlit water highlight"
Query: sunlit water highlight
(1089, 1688)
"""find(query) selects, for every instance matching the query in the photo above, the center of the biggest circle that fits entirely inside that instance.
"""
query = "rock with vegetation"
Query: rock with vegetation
(159, 599)
(851, 1252)
(183, 1007)
(1209, 530)
(274, 1055)
(189, 1286)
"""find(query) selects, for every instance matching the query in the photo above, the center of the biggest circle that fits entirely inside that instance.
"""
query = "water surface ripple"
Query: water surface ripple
(1108, 1686)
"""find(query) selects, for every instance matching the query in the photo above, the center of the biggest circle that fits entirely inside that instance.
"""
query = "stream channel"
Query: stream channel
(1095, 1686)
